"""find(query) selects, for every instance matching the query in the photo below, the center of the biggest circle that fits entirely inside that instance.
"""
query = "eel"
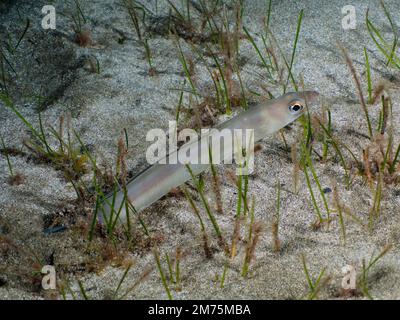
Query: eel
(265, 118)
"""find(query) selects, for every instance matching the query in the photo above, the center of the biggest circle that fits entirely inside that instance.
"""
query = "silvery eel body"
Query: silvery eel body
(156, 181)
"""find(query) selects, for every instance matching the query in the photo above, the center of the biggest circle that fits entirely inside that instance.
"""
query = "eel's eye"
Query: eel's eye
(295, 108)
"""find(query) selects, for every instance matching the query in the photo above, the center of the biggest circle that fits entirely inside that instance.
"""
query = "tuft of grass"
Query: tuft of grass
(8, 42)
(252, 241)
(368, 70)
(94, 64)
(74, 159)
(388, 50)
(313, 286)
(266, 65)
(79, 17)
(206, 245)
(213, 76)
(241, 182)
(137, 14)
(79, 22)
(366, 268)
(67, 157)
(222, 46)
(357, 82)
(384, 114)
(8, 49)
(162, 274)
(224, 90)
(272, 65)
(83, 291)
(290, 76)
(375, 210)
(270, 61)
(121, 281)
(306, 123)
(335, 145)
(186, 69)
(111, 222)
(394, 30)
(169, 264)
(6, 99)
(211, 216)
(223, 277)
(307, 164)
(174, 268)
(64, 287)
(184, 14)
(142, 277)
(243, 187)
(314, 201)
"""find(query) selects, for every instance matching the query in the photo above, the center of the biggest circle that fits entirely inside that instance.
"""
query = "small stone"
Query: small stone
(327, 190)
